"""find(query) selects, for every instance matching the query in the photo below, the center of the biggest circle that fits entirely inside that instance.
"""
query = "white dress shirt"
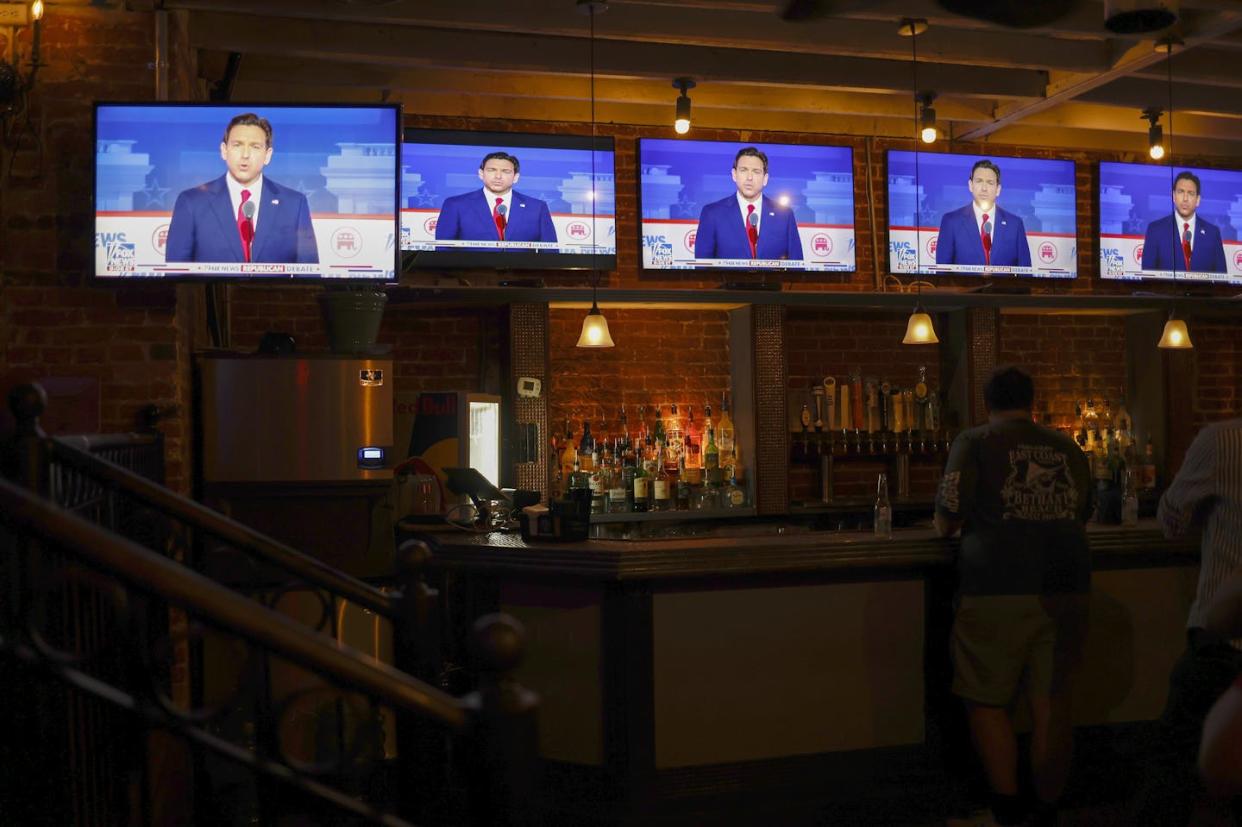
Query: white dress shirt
(256, 190)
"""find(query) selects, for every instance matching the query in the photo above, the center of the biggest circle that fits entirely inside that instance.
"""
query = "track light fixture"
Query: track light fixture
(681, 122)
(1155, 132)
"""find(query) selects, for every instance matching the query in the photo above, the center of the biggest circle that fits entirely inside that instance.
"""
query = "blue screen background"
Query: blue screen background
(1039, 191)
(680, 177)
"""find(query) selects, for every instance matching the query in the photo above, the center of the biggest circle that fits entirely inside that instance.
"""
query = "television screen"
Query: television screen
(951, 214)
(729, 205)
(253, 191)
(508, 200)
(1166, 222)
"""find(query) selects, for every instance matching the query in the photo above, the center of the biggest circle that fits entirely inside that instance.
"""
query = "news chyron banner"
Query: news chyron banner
(578, 191)
(930, 193)
(685, 188)
(1142, 223)
(342, 160)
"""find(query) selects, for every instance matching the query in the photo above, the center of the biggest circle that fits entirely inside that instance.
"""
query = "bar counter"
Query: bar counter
(808, 665)
(765, 548)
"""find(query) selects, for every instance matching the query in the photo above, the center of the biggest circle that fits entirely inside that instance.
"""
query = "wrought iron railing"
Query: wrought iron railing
(240, 699)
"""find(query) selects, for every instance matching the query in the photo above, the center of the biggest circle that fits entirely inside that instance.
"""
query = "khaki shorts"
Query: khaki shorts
(1002, 642)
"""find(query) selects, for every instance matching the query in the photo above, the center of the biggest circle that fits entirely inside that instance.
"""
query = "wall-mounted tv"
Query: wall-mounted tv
(741, 206)
(981, 215)
(249, 191)
(1170, 222)
(508, 200)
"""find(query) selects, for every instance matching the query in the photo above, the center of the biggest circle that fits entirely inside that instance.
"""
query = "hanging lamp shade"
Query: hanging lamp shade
(920, 330)
(595, 330)
(1176, 336)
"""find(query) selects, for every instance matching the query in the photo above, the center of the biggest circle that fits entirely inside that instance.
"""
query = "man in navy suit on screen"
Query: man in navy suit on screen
(242, 215)
(747, 224)
(499, 212)
(1183, 241)
(981, 233)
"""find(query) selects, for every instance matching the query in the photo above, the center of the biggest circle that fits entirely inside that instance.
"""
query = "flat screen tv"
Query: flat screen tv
(508, 200)
(696, 199)
(1170, 222)
(981, 215)
(246, 191)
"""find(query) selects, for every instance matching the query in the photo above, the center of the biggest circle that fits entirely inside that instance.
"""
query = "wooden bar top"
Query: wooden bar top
(763, 548)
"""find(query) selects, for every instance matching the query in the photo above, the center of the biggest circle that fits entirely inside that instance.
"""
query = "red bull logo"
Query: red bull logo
(430, 224)
(931, 245)
(821, 245)
(1138, 254)
(578, 230)
(159, 238)
(689, 240)
(347, 242)
(1237, 260)
(1047, 252)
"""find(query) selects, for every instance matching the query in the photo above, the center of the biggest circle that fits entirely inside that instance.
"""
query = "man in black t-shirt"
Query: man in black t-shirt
(1021, 494)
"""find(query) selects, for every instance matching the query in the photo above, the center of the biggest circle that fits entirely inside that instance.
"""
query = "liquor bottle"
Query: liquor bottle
(642, 490)
(618, 502)
(586, 448)
(691, 441)
(736, 469)
(733, 496)
(883, 510)
(662, 490)
(579, 480)
(623, 424)
(724, 428)
(711, 458)
(569, 454)
(629, 469)
(683, 486)
(1129, 505)
(806, 418)
(658, 431)
(673, 436)
(598, 476)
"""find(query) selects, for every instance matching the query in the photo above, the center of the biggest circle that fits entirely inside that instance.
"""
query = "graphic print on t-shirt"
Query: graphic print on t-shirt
(1039, 486)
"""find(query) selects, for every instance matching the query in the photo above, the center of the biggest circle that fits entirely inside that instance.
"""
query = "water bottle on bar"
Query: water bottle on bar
(883, 510)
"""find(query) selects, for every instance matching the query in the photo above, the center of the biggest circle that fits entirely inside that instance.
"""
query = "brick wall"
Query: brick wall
(54, 322)
(662, 358)
(838, 343)
(1070, 358)
(1217, 370)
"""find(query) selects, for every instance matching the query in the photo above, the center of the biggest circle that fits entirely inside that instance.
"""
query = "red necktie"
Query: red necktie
(1186, 242)
(499, 218)
(986, 238)
(752, 229)
(245, 227)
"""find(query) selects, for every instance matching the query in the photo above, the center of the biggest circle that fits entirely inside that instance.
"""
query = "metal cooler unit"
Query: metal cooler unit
(296, 419)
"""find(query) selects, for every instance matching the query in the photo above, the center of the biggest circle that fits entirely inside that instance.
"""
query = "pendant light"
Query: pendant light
(594, 326)
(919, 329)
(1176, 335)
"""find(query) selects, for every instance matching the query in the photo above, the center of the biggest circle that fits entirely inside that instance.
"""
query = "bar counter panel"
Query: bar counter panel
(693, 666)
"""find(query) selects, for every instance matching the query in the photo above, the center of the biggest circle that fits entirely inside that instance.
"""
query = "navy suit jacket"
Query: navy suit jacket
(204, 226)
(722, 232)
(469, 217)
(1162, 247)
(959, 241)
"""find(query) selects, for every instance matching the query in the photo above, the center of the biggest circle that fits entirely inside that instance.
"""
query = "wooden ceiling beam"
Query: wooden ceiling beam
(300, 40)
